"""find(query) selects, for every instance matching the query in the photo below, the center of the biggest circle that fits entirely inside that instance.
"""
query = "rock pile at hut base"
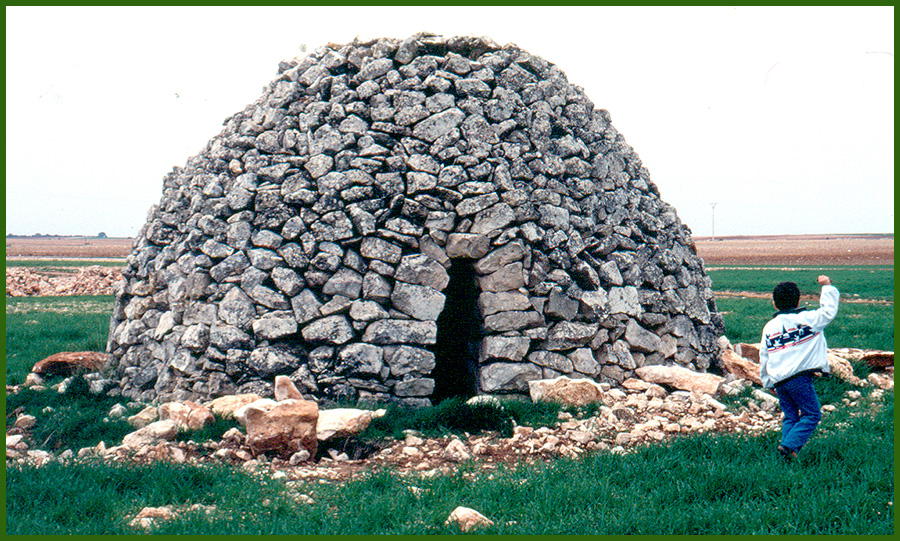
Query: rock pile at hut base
(395, 217)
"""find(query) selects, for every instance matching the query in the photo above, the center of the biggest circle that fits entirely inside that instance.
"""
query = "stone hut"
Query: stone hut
(409, 220)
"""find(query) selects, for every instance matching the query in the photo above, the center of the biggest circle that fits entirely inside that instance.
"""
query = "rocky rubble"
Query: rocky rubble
(317, 235)
(92, 280)
(636, 413)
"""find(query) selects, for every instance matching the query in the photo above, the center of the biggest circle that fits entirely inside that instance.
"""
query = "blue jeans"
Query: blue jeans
(800, 405)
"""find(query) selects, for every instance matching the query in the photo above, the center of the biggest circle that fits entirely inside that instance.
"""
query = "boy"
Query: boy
(793, 348)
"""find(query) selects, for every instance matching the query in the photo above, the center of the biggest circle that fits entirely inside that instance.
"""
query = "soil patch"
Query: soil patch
(65, 247)
(797, 250)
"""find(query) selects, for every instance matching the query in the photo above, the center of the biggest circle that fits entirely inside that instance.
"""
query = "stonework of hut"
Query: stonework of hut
(405, 221)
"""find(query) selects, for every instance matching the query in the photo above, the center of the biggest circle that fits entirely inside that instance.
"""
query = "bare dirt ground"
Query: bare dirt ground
(797, 250)
(67, 247)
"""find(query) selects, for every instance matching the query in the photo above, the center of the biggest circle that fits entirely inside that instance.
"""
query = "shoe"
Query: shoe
(786, 453)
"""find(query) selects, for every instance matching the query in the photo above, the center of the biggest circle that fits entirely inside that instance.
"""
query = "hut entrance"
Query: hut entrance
(458, 335)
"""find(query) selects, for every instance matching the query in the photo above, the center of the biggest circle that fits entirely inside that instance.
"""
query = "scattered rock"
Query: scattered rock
(748, 351)
(14, 440)
(33, 380)
(117, 411)
(456, 451)
(841, 368)
(151, 434)
(189, 415)
(287, 427)
(263, 404)
(768, 401)
(873, 358)
(880, 359)
(226, 406)
(343, 422)
(573, 392)
(300, 456)
(655, 391)
(468, 519)
(149, 518)
(25, 421)
(143, 417)
(882, 381)
(731, 362)
(634, 384)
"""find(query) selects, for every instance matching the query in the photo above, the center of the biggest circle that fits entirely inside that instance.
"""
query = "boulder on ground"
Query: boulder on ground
(748, 351)
(733, 363)
(25, 421)
(467, 519)
(842, 368)
(286, 428)
(226, 406)
(456, 451)
(143, 417)
(872, 357)
(189, 415)
(343, 422)
(571, 392)
(880, 359)
(67, 363)
(680, 378)
(264, 404)
(164, 430)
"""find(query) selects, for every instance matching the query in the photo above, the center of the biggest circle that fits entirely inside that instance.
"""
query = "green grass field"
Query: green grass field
(37, 327)
(858, 324)
(870, 282)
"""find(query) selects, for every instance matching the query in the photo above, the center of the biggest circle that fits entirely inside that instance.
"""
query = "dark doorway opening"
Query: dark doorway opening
(458, 335)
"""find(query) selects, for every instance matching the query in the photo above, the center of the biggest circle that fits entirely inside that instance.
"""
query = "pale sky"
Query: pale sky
(783, 117)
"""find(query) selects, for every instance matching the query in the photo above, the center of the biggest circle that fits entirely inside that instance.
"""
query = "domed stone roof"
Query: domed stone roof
(408, 220)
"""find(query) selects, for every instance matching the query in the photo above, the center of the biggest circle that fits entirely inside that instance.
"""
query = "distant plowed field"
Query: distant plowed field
(66, 247)
(798, 250)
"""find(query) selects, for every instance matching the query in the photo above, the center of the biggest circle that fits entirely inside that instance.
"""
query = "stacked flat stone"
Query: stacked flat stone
(311, 238)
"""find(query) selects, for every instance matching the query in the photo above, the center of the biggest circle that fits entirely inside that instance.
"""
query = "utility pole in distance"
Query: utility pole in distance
(713, 205)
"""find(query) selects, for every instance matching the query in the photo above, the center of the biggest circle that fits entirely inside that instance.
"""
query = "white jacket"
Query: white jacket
(794, 341)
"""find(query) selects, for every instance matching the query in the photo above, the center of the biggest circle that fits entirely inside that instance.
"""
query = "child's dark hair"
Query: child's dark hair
(786, 296)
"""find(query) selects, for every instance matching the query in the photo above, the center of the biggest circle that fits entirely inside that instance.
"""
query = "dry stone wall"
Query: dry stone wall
(316, 235)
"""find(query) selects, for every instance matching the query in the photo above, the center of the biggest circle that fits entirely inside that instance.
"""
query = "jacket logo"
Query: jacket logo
(789, 337)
